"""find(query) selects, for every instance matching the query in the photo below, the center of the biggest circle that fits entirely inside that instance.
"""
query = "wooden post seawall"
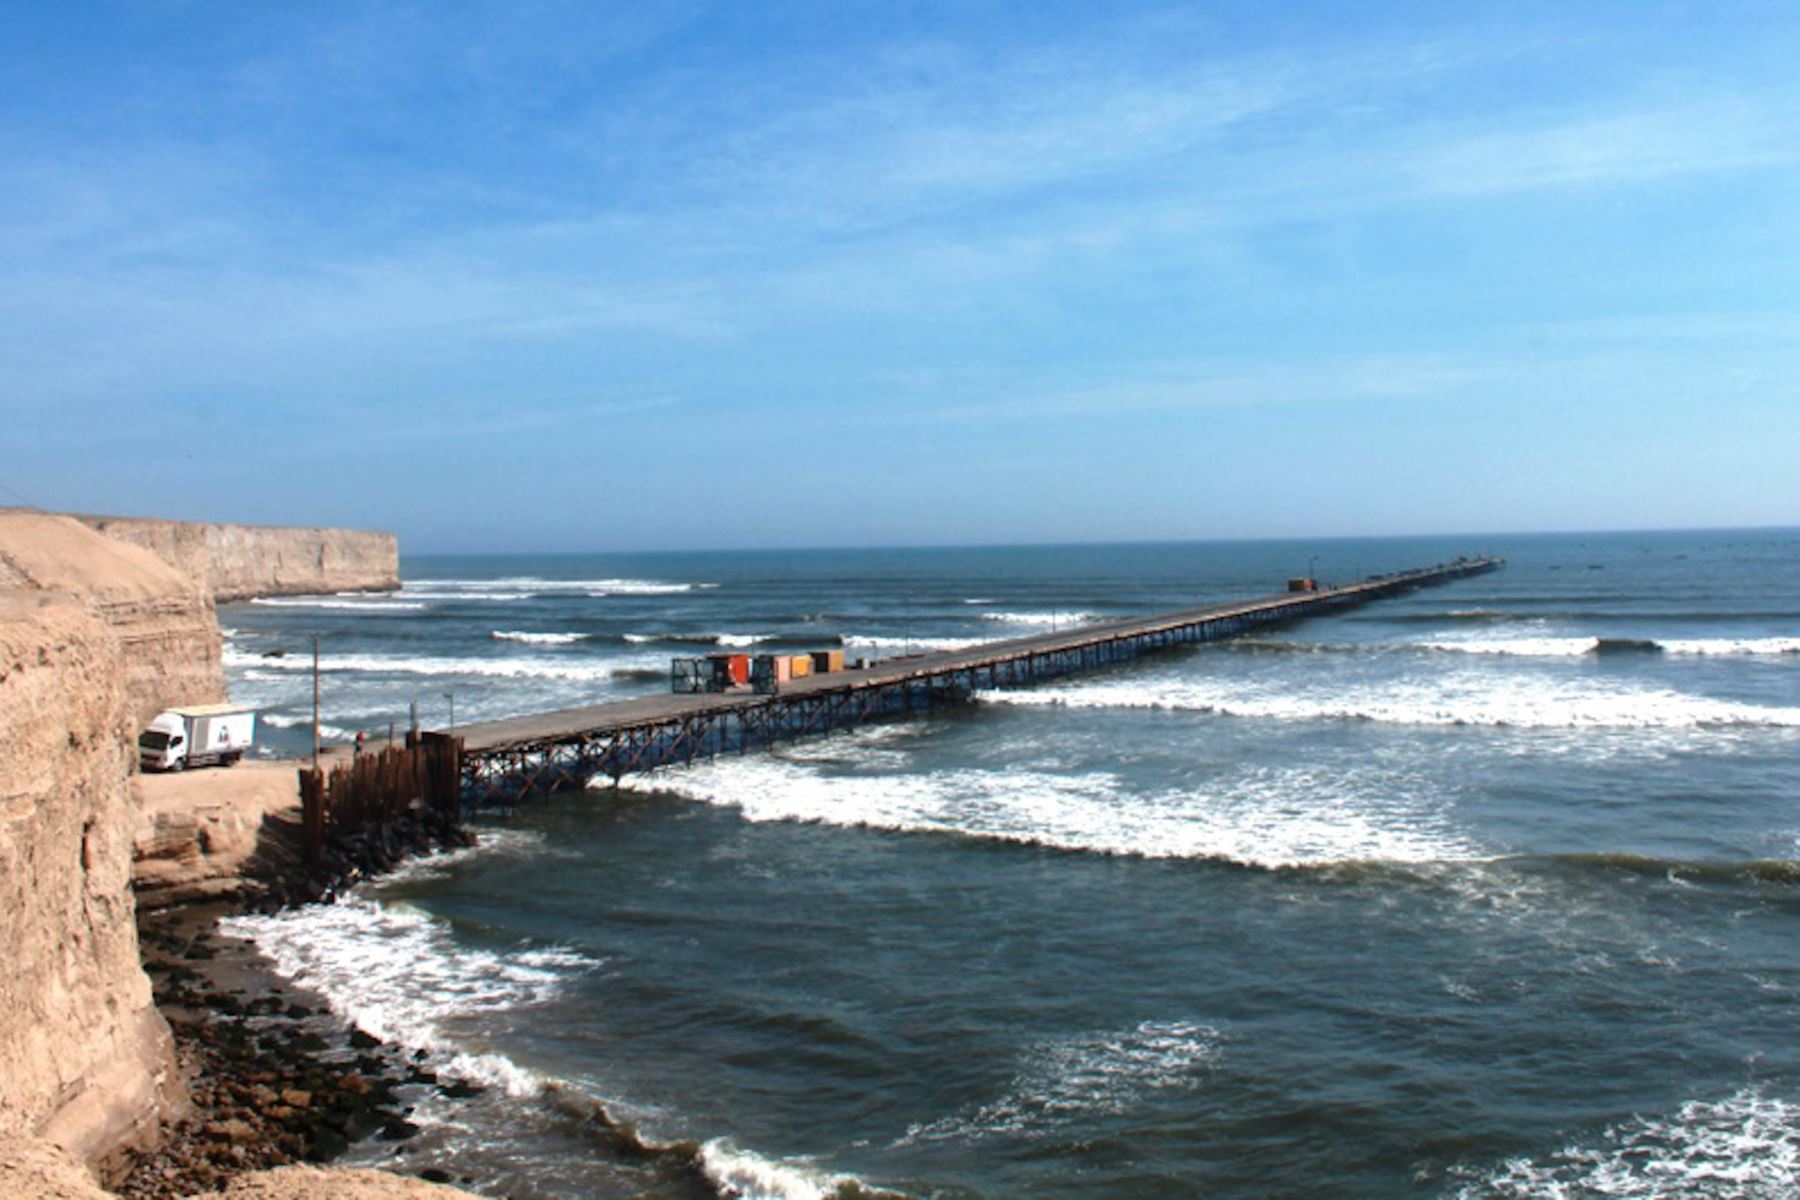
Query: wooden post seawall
(372, 790)
(504, 760)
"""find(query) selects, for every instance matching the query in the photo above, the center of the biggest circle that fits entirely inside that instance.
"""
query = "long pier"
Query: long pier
(505, 760)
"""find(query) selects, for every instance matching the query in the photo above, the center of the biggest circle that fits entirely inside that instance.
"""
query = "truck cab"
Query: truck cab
(163, 746)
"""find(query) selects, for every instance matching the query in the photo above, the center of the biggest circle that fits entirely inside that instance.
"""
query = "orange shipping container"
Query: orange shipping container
(735, 667)
(802, 667)
(827, 660)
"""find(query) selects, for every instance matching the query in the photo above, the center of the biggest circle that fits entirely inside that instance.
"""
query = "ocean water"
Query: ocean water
(1488, 891)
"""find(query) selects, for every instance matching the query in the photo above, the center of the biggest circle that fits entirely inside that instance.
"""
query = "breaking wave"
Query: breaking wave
(894, 643)
(1057, 619)
(738, 1174)
(1267, 817)
(1744, 1147)
(533, 585)
(335, 733)
(701, 639)
(585, 671)
(538, 639)
(478, 597)
(372, 605)
(1537, 647)
(1574, 647)
(1514, 703)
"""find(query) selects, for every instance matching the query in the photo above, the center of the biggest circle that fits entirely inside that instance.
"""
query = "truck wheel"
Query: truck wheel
(178, 764)
(230, 760)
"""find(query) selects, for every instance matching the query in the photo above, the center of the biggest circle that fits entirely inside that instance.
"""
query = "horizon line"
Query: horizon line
(1091, 543)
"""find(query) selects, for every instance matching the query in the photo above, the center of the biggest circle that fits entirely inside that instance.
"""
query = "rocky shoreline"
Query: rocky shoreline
(274, 1077)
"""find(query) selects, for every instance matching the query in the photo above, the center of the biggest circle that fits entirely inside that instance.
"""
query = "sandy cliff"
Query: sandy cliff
(234, 562)
(85, 1059)
(162, 619)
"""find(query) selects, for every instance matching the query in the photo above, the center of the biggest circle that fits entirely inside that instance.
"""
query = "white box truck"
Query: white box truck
(194, 737)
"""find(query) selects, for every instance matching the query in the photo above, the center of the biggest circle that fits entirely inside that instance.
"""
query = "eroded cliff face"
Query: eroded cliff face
(214, 835)
(86, 1061)
(235, 562)
(163, 620)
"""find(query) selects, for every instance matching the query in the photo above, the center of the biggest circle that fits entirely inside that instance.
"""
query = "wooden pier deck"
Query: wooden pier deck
(504, 759)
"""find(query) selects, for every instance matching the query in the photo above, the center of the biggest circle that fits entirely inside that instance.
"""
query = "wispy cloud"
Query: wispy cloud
(887, 146)
(1698, 135)
(527, 415)
(1172, 387)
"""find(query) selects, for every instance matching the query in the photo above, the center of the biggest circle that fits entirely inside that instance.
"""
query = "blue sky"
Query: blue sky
(591, 277)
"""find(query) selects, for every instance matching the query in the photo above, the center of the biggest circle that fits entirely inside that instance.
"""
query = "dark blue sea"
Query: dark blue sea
(1492, 890)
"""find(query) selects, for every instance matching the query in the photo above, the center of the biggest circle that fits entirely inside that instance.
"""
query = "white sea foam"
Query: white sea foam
(538, 639)
(578, 670)
(483, 597)
(640, 587)
(1732, 646)
(369, 605)
(281, 720)
(1068, 1079)
(400, 975)
(533, 585)
(737, 640)
(889, 747)
(336, 733)
(1570, 647)
(495, 842)
(1059, 619)
(1271, 816)
(915, 644)
(1745, 1147)
(1534, 647)
(1530, 703)
(742, 1175)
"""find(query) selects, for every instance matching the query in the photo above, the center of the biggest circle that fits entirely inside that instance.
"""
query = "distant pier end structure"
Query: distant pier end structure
(503, 761)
